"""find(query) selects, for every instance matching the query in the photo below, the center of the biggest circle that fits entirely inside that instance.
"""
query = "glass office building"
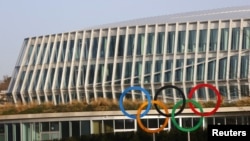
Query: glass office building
(182, 49)
(186, 49)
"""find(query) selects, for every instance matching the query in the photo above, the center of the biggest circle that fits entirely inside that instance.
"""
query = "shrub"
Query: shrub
(100, 104)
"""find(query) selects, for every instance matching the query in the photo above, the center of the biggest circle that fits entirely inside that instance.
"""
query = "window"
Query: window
(140, 44)
(150, 43)
(213, 39)
(97, 127)
(109, 73)
(233, 67)
(119, 124)
(42, 54)
(78, 49)
(112, 46)
(75, 128)
(71, 49)
(59, 78)
(200, 69)
(191, 40)
(203, 40)
(86, 48)
(170, 43)
(50, 126)
(179, 69)
(37, 52)
(222, 68)
(28, 80)
(211, 69)
(108, 126)
(129, 124)
(85, 127)
(51, 78)
(190, 69)
(91, 73)
(160, 43)
(121, 45)
(128, 72)
(224, 39)
(118, 73)
(158, 68)
(36, 79)
(103, 47)
(168, 70)
(201, 94)
(181, 41)
(138, 72)
(29, 55)
(49, 53)
(234, 92)
(147, 71)
(244, 66)
(131, 40)
(244, 90)
(94, 48)
(57, 48)
(100, 73)
(153, 123)
(223, 91)
(1, 128)
(235, 38)
(246, 38)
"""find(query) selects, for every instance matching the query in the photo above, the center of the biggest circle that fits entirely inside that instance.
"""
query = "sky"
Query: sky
(20, 19)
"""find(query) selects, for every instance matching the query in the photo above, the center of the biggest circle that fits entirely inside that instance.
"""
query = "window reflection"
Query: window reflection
(191, 40)
(181, 41)
(157, 71)
(246, 38)
(235, 38)
(213, 39)
(224, 39)
(140, 44)
(150, 43)
(190, 69)
(160, 42)
(130, 47)
(170, 45)
(202, 40)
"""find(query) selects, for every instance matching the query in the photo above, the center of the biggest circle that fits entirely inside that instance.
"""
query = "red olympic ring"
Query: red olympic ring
(219, 100)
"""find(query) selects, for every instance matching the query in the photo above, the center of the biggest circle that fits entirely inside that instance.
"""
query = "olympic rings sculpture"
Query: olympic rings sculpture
(157, 103)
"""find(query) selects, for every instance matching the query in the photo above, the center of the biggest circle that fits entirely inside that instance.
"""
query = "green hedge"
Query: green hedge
(98, 105)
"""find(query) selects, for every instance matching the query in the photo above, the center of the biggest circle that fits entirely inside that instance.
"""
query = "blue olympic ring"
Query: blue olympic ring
(135, 88)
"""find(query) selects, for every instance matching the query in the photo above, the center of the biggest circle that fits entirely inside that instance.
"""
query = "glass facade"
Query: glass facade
(77, 65)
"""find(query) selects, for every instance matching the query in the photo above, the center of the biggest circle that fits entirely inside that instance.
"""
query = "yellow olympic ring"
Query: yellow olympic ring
(139, 119)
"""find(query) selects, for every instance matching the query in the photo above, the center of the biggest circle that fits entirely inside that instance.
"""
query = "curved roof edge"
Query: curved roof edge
(201, 15)
(239, 12)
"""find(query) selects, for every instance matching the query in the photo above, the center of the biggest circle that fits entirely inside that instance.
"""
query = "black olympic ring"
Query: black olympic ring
(182, 94)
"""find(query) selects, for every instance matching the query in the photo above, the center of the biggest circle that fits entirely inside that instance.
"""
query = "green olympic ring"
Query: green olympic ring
(175, 122)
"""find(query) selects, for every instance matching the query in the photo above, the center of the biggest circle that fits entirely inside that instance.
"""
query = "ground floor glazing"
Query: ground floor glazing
(49, 129)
